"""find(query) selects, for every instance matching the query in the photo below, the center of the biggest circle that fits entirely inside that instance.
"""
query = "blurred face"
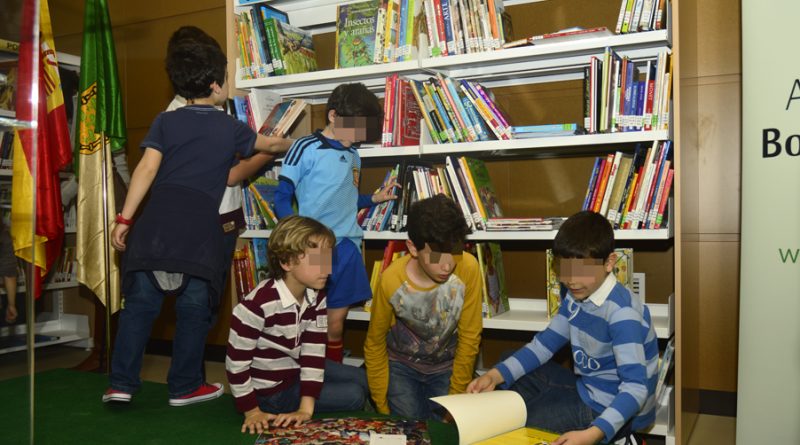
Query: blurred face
(583, 276)
(439, 263)
(313, 267)
(353, 129)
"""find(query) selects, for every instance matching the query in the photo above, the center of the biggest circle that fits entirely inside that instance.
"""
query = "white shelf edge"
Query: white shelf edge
(529, 315)
(314, 79)
(7, 113)
(534, 235)
(376, 151)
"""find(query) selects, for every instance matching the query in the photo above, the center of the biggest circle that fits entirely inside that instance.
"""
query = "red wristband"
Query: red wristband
(122, 220)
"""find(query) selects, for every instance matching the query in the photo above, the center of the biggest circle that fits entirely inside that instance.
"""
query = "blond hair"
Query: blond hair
(290, 239)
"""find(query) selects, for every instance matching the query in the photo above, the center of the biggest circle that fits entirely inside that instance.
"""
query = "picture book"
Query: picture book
(356, 25)
(495, 417)
(484, 189)
(345, 430)
(296, 48)
(495, 297)
(623, 270)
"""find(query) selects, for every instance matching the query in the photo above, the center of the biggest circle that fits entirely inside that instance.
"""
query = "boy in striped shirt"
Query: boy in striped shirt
(614, 347)
(276, 347)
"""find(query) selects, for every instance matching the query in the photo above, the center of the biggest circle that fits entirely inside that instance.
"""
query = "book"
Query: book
(479, 176)
(494, 417)
(564, 35)
(356, 27)
(296, 48)
(547, 130)
(345, 430)
(495, 297)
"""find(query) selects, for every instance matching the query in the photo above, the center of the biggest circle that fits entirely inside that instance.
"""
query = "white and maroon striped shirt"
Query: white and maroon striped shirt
(274, 341)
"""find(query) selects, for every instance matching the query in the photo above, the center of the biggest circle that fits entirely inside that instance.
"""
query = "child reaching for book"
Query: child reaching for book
(425, 323)
(175, 247)
(614, 347)
(322, 172)
(276, 348)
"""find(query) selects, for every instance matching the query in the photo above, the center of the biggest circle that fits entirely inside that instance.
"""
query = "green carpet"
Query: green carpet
(68, 410)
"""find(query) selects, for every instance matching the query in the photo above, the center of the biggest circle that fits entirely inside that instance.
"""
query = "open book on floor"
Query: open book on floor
(492, 418)
(346, 430)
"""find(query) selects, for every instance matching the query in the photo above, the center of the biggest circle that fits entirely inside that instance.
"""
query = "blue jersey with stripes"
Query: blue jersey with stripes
(325, 178)
(615, 350)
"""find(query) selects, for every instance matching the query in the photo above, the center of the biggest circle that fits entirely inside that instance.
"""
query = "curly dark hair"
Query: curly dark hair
(585, 234)
(353, 99)
(190, 33)
(193, 66)
(436, 220)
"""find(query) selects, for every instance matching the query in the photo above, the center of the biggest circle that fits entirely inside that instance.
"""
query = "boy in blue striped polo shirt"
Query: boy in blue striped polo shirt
(614, 347)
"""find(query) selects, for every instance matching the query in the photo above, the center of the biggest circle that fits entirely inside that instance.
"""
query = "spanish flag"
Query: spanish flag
(38, 233)
(101, 130)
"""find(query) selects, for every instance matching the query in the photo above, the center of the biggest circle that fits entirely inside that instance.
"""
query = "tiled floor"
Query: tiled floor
(716, 430)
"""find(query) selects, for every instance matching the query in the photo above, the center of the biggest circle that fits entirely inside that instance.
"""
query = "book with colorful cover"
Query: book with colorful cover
(296, 48)
(484, 188)
(495, 297)
(356, 26)
(345, 430)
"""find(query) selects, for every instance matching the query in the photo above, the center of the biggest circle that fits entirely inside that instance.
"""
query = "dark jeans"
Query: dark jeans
(344, 389)
(142, 306)
(410, 391)
(551, 397)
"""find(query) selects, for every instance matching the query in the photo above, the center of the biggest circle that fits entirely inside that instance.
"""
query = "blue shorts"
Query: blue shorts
(348, 283)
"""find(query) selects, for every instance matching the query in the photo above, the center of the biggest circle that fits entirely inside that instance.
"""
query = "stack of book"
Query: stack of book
(621, 96)
(465, 26)
(269, 45)
(459, 111)
(641, 15)
(548, 130)
(250, 266)
(632, 192)
(524, 224)
(258, 201)
(401, 114)
(376, 31)
(65, 269)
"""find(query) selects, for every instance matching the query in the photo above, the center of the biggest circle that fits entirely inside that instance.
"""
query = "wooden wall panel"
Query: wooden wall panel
(718, 37)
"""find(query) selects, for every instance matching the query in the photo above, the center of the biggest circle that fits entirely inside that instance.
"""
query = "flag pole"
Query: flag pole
(106, 256)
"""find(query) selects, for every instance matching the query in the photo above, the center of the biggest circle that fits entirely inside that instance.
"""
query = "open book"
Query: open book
(495, 417)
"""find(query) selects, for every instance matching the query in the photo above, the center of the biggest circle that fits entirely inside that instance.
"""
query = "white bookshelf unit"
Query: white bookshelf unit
(529, 65)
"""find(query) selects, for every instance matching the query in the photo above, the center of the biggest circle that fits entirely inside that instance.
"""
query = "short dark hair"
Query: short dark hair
(585, 234)
(191, 33)
(436, 220)
(193, 66)
(353, 99)
(290, 239)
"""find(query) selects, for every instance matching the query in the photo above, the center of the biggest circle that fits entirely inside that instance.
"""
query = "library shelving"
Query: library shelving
(560, 65)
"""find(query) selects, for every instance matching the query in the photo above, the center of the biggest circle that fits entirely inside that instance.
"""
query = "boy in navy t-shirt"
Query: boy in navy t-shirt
(176, 245)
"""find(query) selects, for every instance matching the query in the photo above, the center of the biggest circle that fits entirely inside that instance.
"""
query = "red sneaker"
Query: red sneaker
(112, 395)
(201, 394)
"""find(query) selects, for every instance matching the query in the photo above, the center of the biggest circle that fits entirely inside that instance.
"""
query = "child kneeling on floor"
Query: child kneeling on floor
(276, 347)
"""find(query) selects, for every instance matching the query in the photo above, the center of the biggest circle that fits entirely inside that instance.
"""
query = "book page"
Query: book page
(483, 415)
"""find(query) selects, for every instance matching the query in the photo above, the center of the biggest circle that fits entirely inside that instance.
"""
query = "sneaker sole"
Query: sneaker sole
(117, 398)
(198, 399)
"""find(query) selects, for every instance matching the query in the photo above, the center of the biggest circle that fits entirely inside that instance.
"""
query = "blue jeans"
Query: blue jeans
(142, 306)
(344, 389)
(410, 390)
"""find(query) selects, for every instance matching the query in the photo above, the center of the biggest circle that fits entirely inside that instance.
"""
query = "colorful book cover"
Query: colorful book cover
(356, 26)
(484, 188)
(409, 115)
(297, 49)
(259, 248)
(345, 430)
(265, 190)
(495, 297)
(271, 122)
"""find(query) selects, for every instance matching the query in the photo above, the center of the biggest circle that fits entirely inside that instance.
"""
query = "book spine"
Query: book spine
(664, 199)
(621, 18)
(401, 32)
(440, 111)
(626, 23)
(460, 112)
(493, 107)
(452, 113)
(380, 27)
(484, 112)
(423, 109)
(447, 21)
(612, 177)
(601, 184)
(473, 189)
(459, 191)
(440, 29)
(272, 35)
(592, 181)
(388, 110)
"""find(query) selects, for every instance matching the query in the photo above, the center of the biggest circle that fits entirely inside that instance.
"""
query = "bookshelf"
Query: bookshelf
(555, 66)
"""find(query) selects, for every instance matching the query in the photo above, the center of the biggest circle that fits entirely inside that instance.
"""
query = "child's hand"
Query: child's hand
(386, 193)
(589, 436)
(486, 382)
(118, 236)
(256, 421)
(11, 314)
(297, 417)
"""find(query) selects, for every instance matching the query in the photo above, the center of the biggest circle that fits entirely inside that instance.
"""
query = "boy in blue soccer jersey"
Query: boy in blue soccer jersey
(322, 172)
(614, 347)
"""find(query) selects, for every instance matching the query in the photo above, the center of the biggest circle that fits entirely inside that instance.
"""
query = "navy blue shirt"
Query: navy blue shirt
(198, 144)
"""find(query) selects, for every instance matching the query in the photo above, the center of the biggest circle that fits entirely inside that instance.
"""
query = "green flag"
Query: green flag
(101, 130)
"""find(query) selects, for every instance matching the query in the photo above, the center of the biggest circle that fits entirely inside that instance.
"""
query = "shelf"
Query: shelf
(547, 62)
(530, 315)
(69, 329)
(543, 235)
(62, 285)
(376, 151)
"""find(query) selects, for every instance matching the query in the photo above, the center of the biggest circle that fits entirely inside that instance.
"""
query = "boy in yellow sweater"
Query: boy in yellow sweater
(426, 322)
